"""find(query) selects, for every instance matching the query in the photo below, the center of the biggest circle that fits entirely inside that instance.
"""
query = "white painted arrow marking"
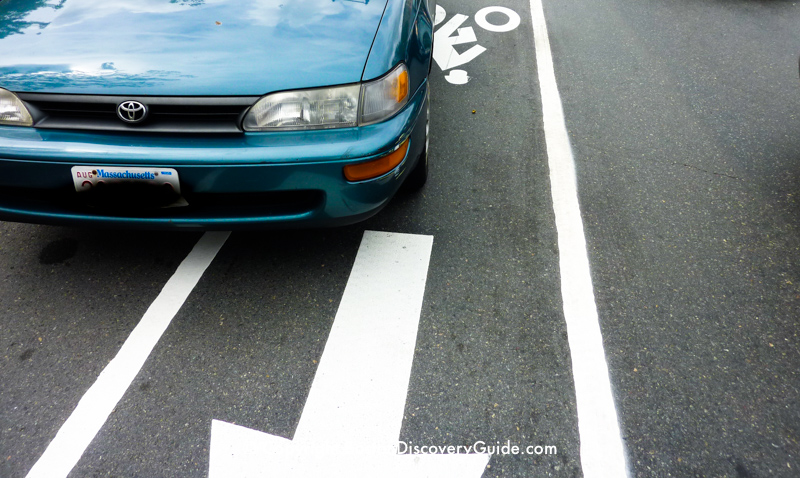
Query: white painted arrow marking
(352, 418)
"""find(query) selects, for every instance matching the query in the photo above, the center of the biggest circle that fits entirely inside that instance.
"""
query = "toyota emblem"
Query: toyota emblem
(131, 111)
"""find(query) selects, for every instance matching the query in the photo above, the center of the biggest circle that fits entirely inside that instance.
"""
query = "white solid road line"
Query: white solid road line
(350, 425)
(63, 453)
(602, 451)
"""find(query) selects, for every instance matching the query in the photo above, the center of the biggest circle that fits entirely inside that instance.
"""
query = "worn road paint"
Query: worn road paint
(602, 451)
(457, 77)
(63, 453)
(439, 16)
(512, 23)
(445, 39)
(444, 52)
(351, 421)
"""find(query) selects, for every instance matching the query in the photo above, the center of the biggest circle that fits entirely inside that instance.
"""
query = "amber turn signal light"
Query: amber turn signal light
(376, 167)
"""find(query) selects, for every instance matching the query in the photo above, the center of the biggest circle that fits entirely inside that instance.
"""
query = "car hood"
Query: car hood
(184, 47)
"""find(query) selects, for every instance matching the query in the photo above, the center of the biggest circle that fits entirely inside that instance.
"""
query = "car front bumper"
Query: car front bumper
(245, 180)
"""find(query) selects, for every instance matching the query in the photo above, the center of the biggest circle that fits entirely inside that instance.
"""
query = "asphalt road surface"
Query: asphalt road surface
(683, 120)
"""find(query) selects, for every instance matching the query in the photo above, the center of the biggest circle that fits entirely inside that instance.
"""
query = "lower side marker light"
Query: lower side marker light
(376, 167)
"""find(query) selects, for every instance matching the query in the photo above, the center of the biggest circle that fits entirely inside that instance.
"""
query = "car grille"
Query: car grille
(166, 114)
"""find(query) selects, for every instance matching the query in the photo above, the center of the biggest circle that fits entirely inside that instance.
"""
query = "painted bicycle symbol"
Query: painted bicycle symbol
(452, 33)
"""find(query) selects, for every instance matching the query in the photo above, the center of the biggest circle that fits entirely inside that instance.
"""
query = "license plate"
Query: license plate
(86, 178)
(130, 188)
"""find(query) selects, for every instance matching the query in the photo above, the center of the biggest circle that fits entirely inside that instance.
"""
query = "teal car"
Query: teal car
(211, 114)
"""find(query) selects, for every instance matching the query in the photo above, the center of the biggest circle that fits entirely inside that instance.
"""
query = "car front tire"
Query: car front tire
(419, 175)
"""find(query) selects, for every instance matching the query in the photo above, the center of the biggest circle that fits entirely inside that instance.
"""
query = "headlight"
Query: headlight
(12, 111)
(307, 109)
(335, 107)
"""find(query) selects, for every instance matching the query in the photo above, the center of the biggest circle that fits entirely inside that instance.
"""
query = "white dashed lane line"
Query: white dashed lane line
(63, 453)
(602, 452)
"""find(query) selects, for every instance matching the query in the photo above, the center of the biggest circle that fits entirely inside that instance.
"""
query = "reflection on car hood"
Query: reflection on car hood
(184, 47)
